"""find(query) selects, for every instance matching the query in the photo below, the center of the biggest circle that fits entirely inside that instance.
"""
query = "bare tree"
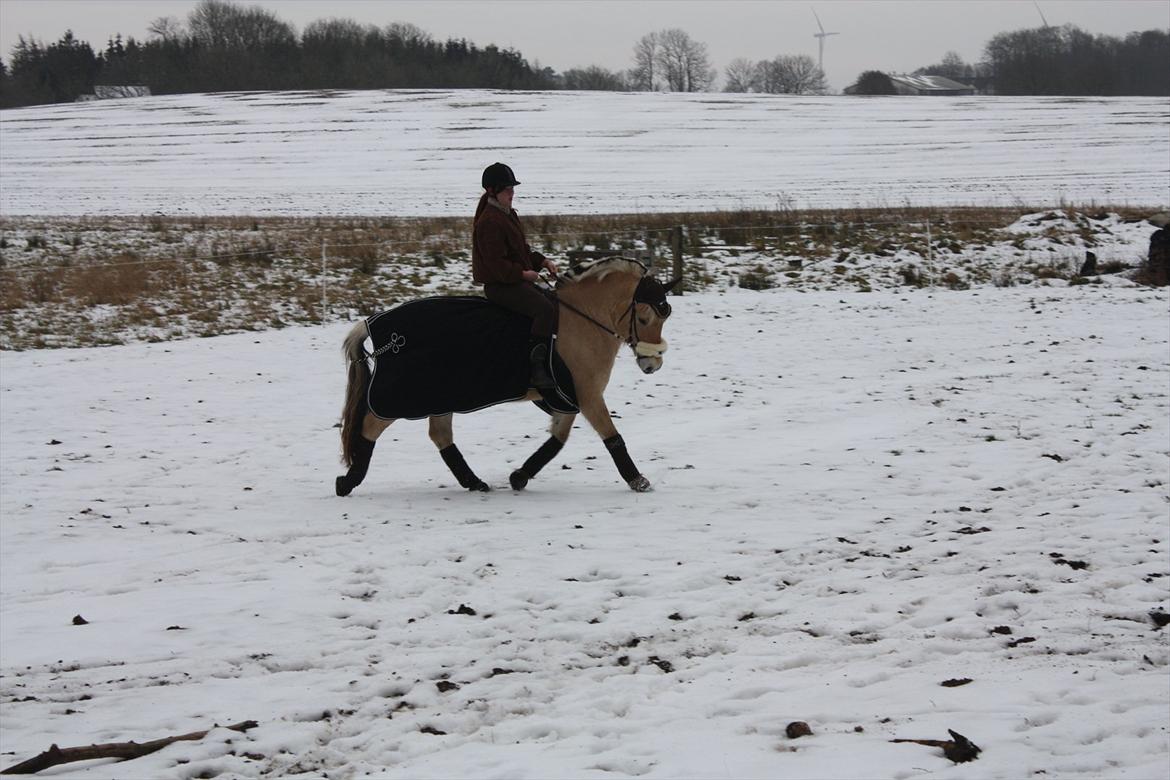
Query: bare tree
(742, 75)
(683, 62)
(408, 34)
(643, 76)
(169, 28)
(220, 24)
(793, 75)
(593, 77)
(952, 67)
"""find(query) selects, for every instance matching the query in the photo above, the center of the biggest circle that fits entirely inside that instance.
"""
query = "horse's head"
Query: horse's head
(649, 311)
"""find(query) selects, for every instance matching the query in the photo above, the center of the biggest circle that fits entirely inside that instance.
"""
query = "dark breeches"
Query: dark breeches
(525, 299)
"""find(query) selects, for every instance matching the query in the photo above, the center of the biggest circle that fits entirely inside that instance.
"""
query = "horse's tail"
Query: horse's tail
(355, 390)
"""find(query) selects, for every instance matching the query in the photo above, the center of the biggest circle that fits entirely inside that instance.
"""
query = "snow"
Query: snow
(858, 496)
(418, 153)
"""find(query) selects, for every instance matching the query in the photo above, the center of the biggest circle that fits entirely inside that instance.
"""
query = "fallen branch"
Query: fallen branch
(958, 748)
(123, 751)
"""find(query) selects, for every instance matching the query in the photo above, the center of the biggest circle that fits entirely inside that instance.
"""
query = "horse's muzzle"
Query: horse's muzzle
(649, 364)
(650, 355)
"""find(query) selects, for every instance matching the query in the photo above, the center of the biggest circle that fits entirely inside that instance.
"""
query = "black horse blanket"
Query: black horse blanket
(434, 356)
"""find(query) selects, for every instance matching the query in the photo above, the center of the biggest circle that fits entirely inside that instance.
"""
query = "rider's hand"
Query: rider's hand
(530, 276)
(551, 266)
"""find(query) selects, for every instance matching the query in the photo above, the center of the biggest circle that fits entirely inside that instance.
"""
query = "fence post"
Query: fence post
(676, 242)
(929, 249)
(324, 288)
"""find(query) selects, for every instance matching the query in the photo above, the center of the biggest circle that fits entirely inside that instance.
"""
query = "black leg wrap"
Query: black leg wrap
(363, 451)
(454, 460)
(621, 458)
(537, 461)
(542, 456)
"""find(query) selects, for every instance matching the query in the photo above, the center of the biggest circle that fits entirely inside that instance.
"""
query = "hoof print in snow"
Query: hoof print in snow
(497, 671)
(463, 610)
(969, 531)
(797, 729)
(665, 666)
(1160, 618)
(433, 730)
(1056, 458)
(623, 660)
(958, 748)
(53, 442)
(1001, 630)
(746, 617)
(674, 616)
(445, 686)
(955, 683)
(78, 620)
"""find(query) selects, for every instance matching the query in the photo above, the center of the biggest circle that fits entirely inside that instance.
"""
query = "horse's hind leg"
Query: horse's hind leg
(562, 425)
(362, 451)
(444, 438)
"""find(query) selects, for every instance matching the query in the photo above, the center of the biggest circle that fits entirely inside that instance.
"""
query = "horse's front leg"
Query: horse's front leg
(562, 425)
(441, 434)
(596, 412)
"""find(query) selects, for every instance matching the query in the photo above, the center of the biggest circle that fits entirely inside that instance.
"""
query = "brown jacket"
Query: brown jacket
(499, 250)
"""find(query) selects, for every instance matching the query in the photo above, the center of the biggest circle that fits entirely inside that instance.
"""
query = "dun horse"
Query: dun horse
(603, 303)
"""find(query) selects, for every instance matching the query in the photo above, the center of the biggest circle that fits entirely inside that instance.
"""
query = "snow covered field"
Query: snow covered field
(885, 514)
(858, 497)
(408, 153)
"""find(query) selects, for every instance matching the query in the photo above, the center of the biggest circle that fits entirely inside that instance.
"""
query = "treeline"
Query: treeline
(222, 46)
(226, 47)
(1069, 61)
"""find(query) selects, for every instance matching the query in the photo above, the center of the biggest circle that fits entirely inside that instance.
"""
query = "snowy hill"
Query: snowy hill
(420, 152)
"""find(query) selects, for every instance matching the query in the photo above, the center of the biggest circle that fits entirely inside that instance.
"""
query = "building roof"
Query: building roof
(923, 84)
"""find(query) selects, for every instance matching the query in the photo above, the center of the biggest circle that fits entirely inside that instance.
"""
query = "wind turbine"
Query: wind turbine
(1041, 14)
(821, 41)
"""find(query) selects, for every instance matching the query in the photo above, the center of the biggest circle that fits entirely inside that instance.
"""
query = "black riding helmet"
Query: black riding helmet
(497, 176)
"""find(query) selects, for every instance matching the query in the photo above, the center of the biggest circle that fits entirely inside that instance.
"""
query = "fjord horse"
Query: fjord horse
(604, 303)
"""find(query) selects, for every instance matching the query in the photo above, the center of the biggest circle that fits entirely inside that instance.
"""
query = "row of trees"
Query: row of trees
(787, 74)
(1069, 61)
(222, 46)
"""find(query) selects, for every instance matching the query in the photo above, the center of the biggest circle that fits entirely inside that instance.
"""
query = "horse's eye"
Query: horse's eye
(643, 320)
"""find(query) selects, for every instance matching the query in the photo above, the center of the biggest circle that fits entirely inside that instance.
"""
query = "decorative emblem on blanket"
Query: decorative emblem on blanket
(395, 343)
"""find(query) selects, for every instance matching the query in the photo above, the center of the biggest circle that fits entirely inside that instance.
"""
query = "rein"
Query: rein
(607, 329)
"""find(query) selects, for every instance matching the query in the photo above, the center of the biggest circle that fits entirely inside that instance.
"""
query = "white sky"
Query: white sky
(891, 35)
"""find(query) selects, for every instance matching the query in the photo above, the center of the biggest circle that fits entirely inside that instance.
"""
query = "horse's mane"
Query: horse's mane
(601, 267)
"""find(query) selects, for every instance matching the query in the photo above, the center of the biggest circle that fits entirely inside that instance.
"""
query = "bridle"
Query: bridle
(650, 292)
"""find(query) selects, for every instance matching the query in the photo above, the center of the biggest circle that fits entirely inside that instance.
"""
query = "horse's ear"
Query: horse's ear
(670, 286)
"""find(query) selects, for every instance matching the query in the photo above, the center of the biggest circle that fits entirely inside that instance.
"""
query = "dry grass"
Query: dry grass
(80, 281)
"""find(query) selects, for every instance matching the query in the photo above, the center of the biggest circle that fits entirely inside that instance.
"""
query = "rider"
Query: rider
(508, 268)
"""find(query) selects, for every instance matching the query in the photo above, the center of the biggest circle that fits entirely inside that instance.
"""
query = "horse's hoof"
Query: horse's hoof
(640, 484)
(518, 480)
(479, 486)
(342, 486)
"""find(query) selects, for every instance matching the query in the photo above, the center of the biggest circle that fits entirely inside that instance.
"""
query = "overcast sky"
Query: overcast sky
(889, 35)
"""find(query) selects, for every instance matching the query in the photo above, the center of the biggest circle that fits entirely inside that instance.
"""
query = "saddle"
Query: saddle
(435, 356)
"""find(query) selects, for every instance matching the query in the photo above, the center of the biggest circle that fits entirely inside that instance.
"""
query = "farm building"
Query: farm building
(112, 91)
(923, 85)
